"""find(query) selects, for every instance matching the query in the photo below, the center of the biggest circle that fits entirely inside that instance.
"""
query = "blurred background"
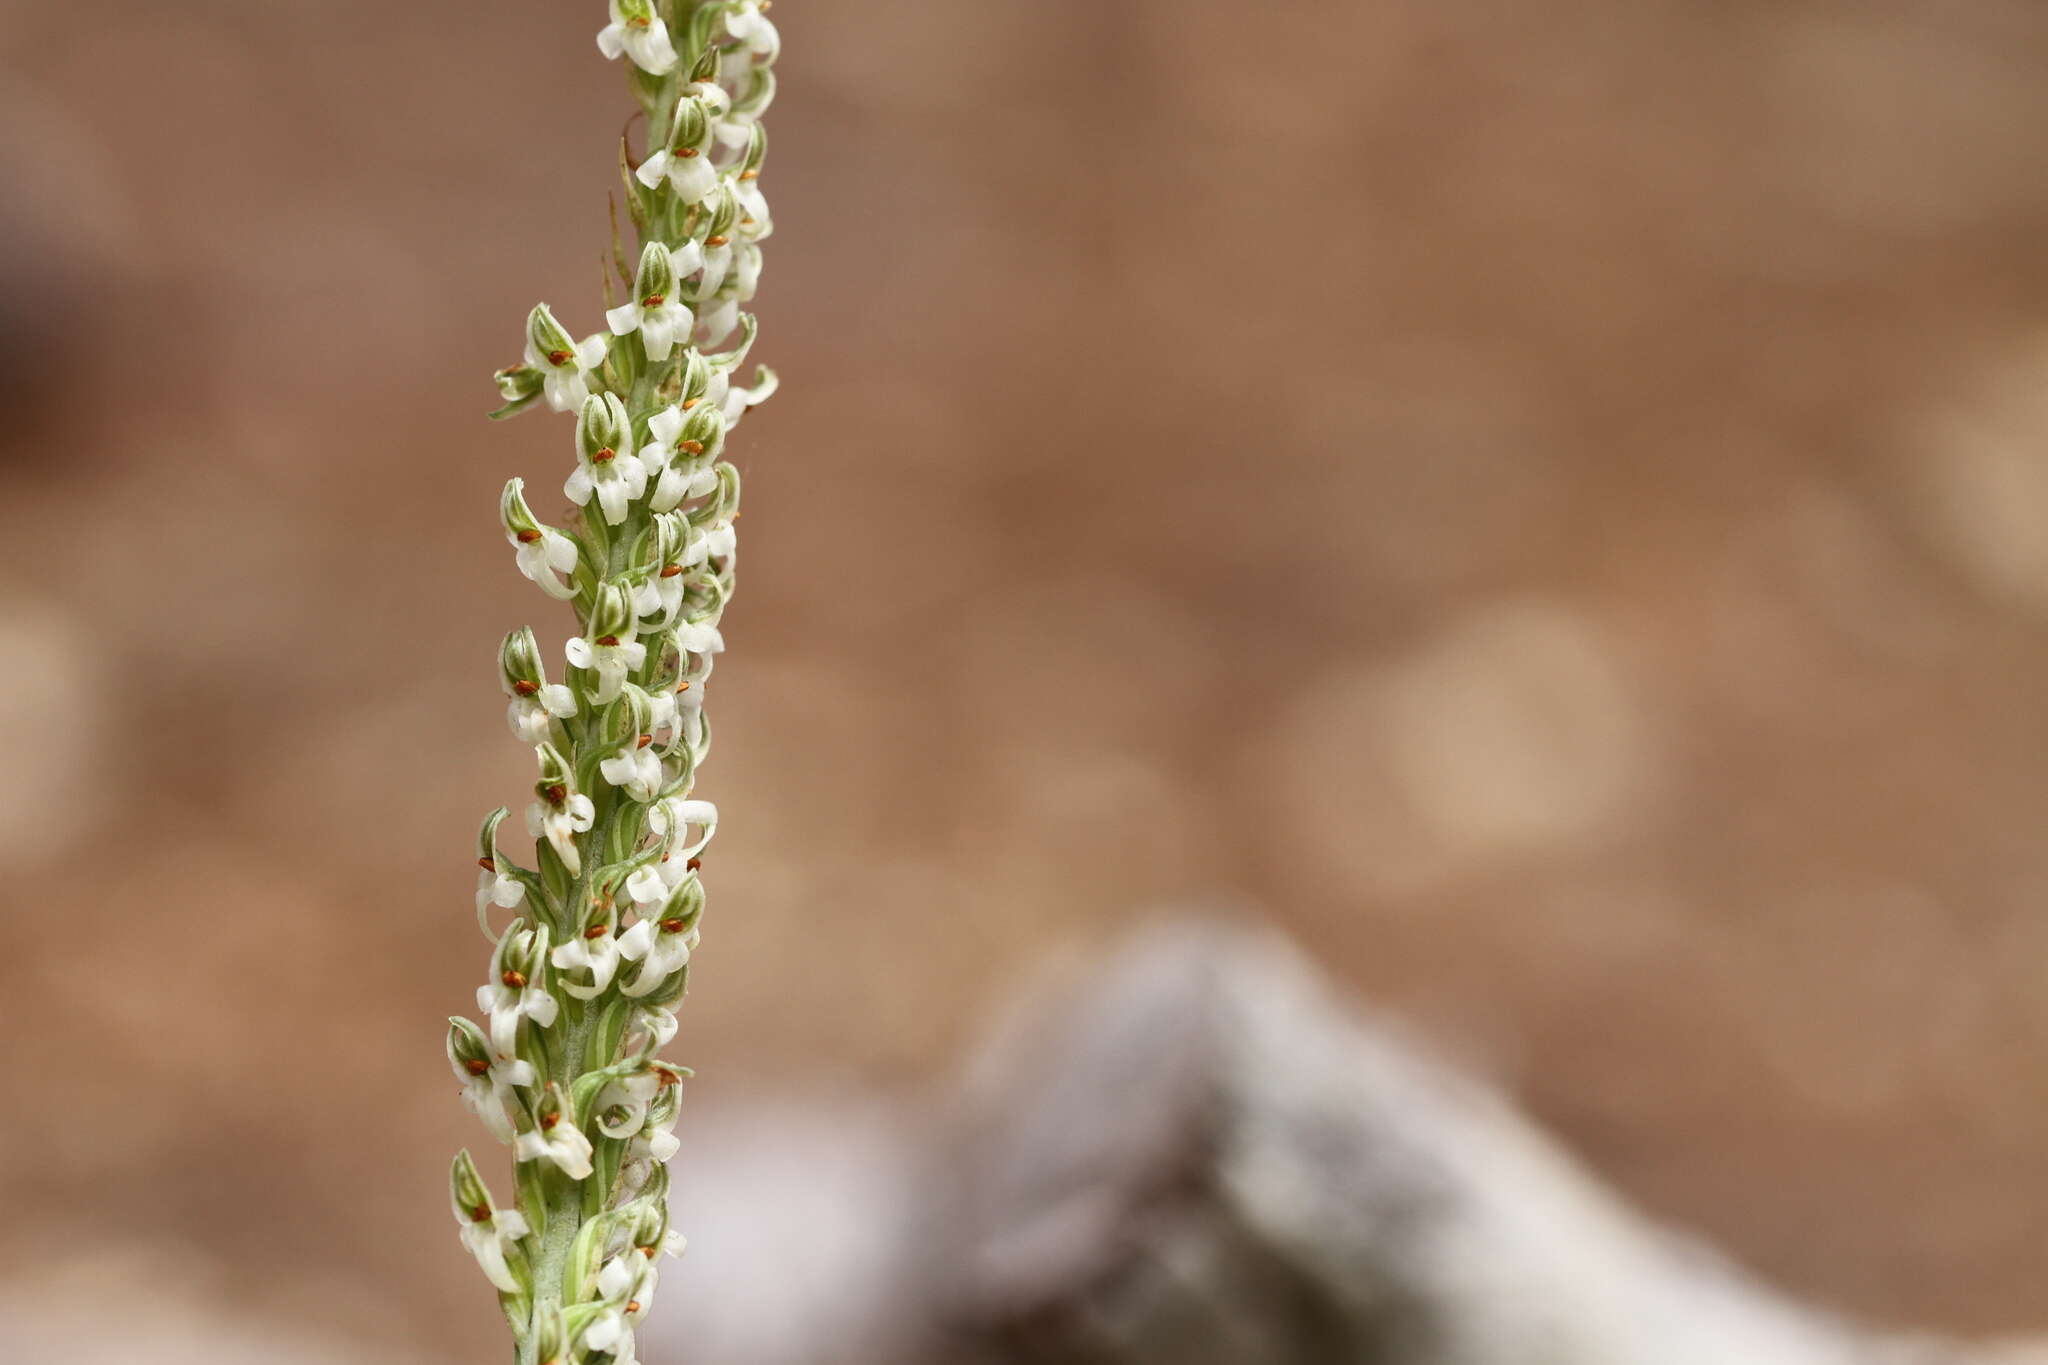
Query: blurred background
(1546, 503)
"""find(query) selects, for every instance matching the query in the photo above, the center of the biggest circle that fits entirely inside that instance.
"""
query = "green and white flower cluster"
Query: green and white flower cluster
(585, 979)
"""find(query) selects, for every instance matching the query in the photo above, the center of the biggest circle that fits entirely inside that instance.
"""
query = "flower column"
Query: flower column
(585, 978)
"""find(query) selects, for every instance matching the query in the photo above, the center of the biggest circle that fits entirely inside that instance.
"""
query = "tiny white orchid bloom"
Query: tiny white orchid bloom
(604, 467)
(610, 1335)
(555, 1137)
(661, 947)
(515, 991)
(536, 704)
(544, 554)
(532, 714)
(646, 887)
(564, 364)
(613, 650)
(656, 311)
(490, 1078)
(495, 888)
(560, 812)
(685, 162)
(636, 31)
(739, 399)
(755, 31)
(715, 323)
(490, 1240)
(629, 1280)
(653, 1144)
(594, 951)
(652, 1027)
(681, 452)
(622, 1105)
(635, 769)
(491, 1234)
(678, 814)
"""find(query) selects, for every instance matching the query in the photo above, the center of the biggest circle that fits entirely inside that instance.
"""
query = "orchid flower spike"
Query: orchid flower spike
(585, 982)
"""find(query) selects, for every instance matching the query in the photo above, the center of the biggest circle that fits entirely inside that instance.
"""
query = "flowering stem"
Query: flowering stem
(585, 980)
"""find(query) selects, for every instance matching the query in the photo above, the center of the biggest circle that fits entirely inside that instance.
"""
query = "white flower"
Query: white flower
(628, 1100)
(690, 714)
(489, 1238)
(547, 557)
(635, 770)
(647, 887)
(653, 1144)
(495, 888)
(629, 1280)
(681, 813)
(736, 400)
(566, 371)
(685, 162)
(754, 30)
(662, 948)
(559, 822)
(756, 224)
(597, 952)
(715, 323)
(650, 1022)
(610, 1334)
(657, 310)
(721, 541)
(683, 472)
(611, 657)
(639, 33)
(532, 714)
(508, 1000)
(661, 597)
(699, 637)
(615, 476)
(490, 1078)
(554, 1138)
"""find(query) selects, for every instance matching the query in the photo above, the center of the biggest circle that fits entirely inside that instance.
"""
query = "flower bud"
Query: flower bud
(519, 386)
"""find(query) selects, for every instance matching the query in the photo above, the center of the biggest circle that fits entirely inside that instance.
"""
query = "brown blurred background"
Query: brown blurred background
(1548, 502)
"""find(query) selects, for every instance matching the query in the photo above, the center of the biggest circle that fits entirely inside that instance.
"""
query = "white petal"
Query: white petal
(653, 169)
(666, 425)
(611, 40)
(577, 487)
(611, 495)
(623, 318)
(658, 334)
(558, 700)
(591, 350)
(579, 651)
